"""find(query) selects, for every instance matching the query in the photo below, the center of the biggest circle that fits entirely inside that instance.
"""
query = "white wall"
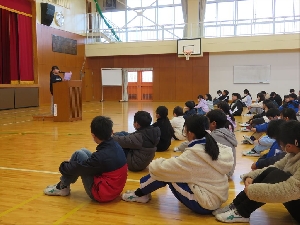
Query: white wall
(74, 17)
(285, 72)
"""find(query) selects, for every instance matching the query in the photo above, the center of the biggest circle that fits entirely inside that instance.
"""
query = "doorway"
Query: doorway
(140, 85)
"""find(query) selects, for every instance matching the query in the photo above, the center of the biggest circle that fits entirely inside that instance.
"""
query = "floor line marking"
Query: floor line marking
(70, 213)
(20, 205)
(27, 170)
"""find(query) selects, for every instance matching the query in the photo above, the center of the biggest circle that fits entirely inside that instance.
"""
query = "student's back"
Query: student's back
(166, 131)
(140, 145)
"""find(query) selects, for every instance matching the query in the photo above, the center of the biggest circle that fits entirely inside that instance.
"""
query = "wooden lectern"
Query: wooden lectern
(67, 101)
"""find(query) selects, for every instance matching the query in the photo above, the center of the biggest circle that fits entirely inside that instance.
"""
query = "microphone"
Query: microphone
(61, 72)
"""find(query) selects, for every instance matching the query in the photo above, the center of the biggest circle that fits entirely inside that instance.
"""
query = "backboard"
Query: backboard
(189, 45)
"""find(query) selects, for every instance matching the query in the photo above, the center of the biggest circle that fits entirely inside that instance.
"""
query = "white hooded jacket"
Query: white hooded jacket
(206, 177)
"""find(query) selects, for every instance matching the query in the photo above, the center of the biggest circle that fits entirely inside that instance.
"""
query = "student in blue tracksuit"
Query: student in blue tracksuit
(292, 103)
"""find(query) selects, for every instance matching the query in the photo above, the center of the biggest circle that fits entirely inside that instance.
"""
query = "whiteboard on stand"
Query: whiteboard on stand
(256, 74)
(111, 77)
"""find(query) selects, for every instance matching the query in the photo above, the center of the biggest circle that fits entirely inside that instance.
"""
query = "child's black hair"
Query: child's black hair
(226, 109)
(209, 98)
(246, 91)
(273, 130)
(261, 97)
(273, 93)
(292, 90)
(271, 105)
(190, 104)
(200, 96)
(288, 113)
(143, 118)
(101, 127)
(293, 95)
(237, 95)
(226, 92)
(290, 133)
(162, 111)
(273, 112)
(178, 111)
(198, 125)
(263, 92)
(219, 92)
(218, 116)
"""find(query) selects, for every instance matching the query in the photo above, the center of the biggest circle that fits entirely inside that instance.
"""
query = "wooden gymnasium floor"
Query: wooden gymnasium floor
(31, 152)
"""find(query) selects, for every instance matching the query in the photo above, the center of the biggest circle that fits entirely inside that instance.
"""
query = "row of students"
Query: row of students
(104, 172)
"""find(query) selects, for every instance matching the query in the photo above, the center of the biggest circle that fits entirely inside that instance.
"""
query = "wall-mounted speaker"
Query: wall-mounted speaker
(47, 13)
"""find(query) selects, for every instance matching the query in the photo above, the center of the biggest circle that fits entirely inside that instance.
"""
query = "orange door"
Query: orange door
(140, 86)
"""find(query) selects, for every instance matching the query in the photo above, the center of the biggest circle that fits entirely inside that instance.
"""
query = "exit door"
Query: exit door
(140, 86)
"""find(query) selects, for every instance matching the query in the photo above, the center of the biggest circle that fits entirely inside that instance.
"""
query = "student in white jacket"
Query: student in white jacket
(278, 183)
(197, 177)
(177, 123)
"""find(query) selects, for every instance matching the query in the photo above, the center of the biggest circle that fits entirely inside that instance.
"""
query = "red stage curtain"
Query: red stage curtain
(18, 5)
(14, 49)
(25, 49)
(4, 48)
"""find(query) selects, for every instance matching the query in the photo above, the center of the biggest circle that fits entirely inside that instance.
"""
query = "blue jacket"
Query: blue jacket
(291, 104)
(261, 127)
(274, 155)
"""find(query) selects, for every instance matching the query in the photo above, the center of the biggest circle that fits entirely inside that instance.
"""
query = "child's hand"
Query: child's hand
(248, 181)
(253, 166)
(253, 129)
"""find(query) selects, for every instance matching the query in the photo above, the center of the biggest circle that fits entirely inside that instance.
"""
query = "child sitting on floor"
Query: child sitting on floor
(278, 183)
(177, 123)
(103, 172)
(222, 135)
(166, 129)
(197, 177)
(189, 109)
(139, 146)
(202, 107)
(209, 101)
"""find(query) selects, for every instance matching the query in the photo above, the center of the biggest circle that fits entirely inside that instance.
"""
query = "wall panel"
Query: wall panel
(173, 79)
(47, 58)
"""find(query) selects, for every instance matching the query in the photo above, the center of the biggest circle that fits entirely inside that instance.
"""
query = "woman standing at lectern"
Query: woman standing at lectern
(54, 77)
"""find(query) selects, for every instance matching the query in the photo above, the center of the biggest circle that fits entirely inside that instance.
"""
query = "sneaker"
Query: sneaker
(232, 216)
(129, 196)
(245, 142)
(244, 124)
(224, 209)
(247, 138)
(245, 129)
(176, 149)
(52, 190)
(251, 153)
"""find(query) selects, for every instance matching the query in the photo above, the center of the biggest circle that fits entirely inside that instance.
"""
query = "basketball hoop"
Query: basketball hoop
(187, 54)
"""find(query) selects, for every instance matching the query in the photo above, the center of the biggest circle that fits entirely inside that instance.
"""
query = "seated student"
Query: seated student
(292, 103)
(257, 106)
(276, 98)
(224, 97)
(236, 106)
(103, 172)
(278, 183)
(261, 118)
(231, 124)
(209, 101)
(267, 96)
(199, 172)
(201, 107)
(189, 109)
(219, 93)
(266, 142)
(247, 99)
(270, 158)
(272, 114)
(259, 129)
(177, 123)
(166, 129)
(222, 135)
(139, 146)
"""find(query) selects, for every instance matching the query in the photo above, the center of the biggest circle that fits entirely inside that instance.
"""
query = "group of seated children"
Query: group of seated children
(201, 183)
